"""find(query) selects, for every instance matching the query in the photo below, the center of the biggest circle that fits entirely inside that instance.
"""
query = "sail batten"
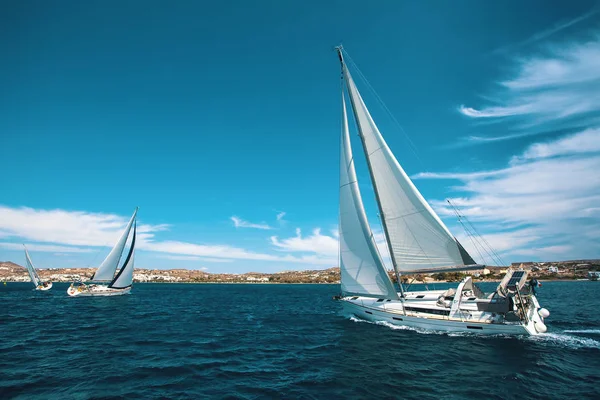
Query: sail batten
(106, 270)
(417, 238)
(361, 268)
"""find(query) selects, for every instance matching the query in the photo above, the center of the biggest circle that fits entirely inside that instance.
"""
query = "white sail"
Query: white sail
(362, 271)
(106, 270)
(35, 279)
(124, 278)
(419, 240)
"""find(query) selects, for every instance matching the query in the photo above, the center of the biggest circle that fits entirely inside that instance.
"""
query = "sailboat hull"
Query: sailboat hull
(393, 312)
(96, 290)
(44, 288)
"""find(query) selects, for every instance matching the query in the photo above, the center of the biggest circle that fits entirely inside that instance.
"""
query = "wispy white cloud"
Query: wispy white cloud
(280, 216)
(544, 202)
(315, 243)
(545, 251)
(555, 89)
(75, 228)
(558, 27)
(566, 64)
(546, 199)
(499, 138)
(195, 258)
(240, 223)
(324, 246)
(44, 248)
(587, 141)
(75, 231)
(228, 252)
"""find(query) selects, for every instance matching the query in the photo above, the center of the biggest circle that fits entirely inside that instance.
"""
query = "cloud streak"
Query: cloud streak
(44, 247)
(240, 223)
(314, 243)
(546, 199)
(544, 203)
(549, 32)
(74, 228)
(557, 88)
(78, 231)
(587, 141)
(324, 246)
(280, 216)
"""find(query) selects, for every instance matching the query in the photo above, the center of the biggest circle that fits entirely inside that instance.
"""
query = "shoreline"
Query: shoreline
(311, 283)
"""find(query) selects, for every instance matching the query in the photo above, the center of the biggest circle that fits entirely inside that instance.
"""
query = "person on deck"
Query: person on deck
(533, 283)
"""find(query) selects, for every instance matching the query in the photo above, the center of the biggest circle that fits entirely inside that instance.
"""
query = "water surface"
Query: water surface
(279, 341)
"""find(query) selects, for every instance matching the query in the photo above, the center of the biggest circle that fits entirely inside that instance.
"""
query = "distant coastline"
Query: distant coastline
(543, 271)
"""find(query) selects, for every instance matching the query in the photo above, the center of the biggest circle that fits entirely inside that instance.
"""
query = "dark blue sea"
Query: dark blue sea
(182, 341)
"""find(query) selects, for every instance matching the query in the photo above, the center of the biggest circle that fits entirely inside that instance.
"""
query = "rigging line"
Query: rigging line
(478, 247)
(484, 240)
(477, 236)
(491, 251)
(411, 282)
(476, 243)
(98, 252)
(412, 146)
(469, 235)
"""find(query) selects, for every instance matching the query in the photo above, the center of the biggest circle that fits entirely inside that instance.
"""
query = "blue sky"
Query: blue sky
(221, 121)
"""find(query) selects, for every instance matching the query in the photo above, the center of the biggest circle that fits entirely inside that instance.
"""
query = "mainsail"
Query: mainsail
(418, 239)
(35, 279)
(362, 271)
(106, 270)
(124, 277)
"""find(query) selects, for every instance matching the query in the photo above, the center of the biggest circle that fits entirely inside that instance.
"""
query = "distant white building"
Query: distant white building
(255, 279)
(553, 270)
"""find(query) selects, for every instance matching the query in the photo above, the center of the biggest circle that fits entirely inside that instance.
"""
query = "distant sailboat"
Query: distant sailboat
(105, 282)
(418, 242)
(35, 278)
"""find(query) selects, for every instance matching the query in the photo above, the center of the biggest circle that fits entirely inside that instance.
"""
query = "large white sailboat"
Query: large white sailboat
(418, 242)
(35, 278)
(106, 281)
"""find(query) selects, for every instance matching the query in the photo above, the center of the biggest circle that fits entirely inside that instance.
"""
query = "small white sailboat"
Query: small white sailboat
(418, 242)
(35, 278)
(106, 281)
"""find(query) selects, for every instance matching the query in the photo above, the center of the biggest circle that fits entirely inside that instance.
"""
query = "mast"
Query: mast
(339, 50)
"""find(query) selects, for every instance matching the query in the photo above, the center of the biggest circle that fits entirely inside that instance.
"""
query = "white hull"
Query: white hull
(44, 288)
(393, 312)
(96, 290)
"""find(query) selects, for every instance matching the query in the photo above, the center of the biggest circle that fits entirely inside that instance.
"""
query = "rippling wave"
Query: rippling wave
(278, 341)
